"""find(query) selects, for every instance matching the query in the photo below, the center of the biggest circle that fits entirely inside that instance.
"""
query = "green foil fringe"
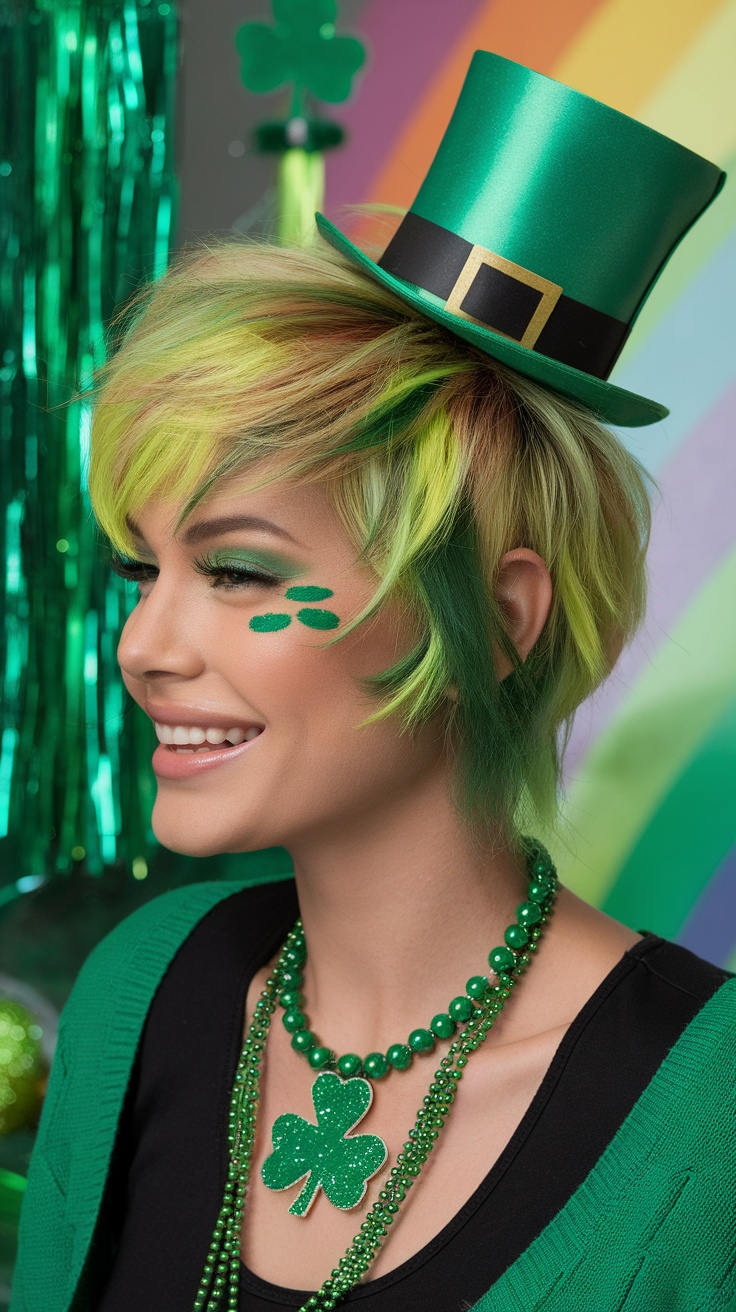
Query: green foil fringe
(88, 204)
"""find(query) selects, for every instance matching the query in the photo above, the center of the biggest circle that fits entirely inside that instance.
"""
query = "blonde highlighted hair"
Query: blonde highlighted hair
(438, 459)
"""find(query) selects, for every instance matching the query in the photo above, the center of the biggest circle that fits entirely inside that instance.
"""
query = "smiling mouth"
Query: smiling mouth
(183, 739)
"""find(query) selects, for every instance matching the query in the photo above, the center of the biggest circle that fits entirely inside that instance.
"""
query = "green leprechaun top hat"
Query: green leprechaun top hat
(540, 229)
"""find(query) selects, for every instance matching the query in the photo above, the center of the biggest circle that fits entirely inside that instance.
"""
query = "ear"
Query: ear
(523, 590)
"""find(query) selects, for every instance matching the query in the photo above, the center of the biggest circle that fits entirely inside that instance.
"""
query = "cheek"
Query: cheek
(284, 673)
(290, 670)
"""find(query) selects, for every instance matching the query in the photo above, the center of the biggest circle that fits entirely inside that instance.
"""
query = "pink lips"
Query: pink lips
(168, 763)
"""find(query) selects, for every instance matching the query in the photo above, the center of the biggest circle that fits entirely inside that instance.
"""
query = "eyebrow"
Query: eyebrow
(209, 528)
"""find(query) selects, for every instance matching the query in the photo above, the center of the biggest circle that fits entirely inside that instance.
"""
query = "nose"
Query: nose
(158, 637)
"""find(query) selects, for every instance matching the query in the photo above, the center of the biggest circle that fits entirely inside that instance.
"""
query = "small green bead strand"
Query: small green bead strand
(431, 1118)
(222, 1265)
(221, 1272)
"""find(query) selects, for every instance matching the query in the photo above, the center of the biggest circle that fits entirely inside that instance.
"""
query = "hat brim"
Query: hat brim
(613, 404)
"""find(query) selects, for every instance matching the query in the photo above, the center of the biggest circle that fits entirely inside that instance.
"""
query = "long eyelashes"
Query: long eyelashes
(223, 576)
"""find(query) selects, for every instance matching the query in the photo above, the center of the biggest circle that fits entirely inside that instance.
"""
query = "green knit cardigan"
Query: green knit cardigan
(652, 1228)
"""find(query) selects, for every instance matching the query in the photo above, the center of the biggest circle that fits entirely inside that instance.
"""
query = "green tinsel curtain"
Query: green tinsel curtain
(88, 201)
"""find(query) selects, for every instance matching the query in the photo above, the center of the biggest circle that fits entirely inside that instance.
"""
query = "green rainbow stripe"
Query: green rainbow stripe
(687, 838)
(633, 764)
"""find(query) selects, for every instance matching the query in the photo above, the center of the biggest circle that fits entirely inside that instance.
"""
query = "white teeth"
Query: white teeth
(216, 735)
(181, 735)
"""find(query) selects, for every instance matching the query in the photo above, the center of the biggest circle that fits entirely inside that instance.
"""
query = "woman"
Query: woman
(384, 548)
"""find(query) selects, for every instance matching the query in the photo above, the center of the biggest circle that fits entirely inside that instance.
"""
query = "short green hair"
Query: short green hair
(438, 459)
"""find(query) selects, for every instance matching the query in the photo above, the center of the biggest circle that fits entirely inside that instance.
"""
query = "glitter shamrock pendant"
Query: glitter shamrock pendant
(342, 1166)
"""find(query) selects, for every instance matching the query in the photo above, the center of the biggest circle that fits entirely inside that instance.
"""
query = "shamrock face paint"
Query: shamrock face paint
(313, 617)
(318, 619)
(307, 594)
(269, 623)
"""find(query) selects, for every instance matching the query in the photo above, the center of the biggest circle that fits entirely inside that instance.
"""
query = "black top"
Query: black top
(167, 1176)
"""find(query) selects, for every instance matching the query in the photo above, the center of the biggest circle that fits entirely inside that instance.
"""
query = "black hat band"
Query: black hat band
(481, 286)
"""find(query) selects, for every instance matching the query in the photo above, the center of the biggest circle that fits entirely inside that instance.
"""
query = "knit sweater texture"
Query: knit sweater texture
(651, 1229)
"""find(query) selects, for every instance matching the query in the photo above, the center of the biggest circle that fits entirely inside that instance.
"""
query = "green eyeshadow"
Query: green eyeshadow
(266, 560)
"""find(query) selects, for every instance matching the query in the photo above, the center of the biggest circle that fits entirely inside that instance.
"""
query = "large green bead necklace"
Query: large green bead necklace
(442, 1026)
(218, 1289)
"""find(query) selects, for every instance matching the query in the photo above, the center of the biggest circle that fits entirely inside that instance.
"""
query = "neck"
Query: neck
(399, 910)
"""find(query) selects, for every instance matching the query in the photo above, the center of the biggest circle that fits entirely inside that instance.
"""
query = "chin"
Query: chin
(182, 832)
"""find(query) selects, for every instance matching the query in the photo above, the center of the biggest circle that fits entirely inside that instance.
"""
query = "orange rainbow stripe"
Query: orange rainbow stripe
(533, 32)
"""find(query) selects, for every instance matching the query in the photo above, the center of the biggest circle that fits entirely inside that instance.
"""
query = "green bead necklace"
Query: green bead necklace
(218, 1289)
(442, 1026)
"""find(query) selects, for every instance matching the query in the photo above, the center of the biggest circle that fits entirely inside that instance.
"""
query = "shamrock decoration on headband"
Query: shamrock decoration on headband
(301, 48)
(341, 1165)
(312, 616)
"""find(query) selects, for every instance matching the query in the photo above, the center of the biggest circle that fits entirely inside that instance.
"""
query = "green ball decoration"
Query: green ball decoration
(516, 936)
(529, 913)
(293, 1021)
(461, 1008)
(442, 1025)
(540, 891)
(350, 1064)
(399, 1055)
(291, 978)
(376, 1065)
(421, 1040)
(501, 959)
(22, 1068)
(303, 1041)
(291, 999)
(476, 986)
(296, 955)
(319, 1057)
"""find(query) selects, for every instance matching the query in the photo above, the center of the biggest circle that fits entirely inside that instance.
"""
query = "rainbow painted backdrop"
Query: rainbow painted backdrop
(650, 832)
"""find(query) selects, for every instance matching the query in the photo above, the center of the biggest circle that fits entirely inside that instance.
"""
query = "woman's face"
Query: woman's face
(243, 650)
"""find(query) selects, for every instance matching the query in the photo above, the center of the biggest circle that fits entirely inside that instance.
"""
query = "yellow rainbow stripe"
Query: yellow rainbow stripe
(629, 46)
(697, 103)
